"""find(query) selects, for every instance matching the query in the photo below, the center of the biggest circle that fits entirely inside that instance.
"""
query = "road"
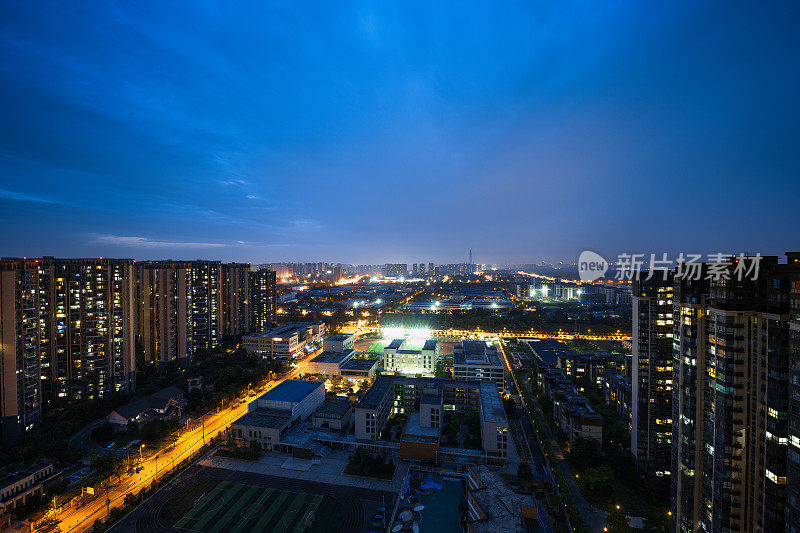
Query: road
(163, 462)
(595, 520)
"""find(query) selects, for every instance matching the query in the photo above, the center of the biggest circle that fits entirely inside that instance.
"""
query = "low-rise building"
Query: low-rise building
(272, 415)
(287, 341)
(334, 413)
(571, 409)
(359, 369)
(329, 363)
(426, 400)
(400, 358)
(166, 403)
(17, 487)
(618, 395)
(339, 342)
(478, 361)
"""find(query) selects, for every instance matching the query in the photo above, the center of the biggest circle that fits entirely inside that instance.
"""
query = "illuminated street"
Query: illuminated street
(162, 463)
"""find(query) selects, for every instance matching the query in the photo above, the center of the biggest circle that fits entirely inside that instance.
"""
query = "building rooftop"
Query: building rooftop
(548, 350)
(430, 345)
(473, 348)
(266, 418)
(373, 397)
(338, 337)
(359, 364)
(332, 357)
(396, 344)
(333, 408)
(291, 390)
(414, 429)
(431, 399)
(486, 360)
(288, 329)
(25, 471)
(502, 508)
(491, 405)
(139, 404)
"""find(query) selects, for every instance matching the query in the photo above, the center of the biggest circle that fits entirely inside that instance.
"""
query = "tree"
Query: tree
(598, 480)
(617, 522)
(103, 433)
(524, 474)
(656, 523)
(584, 454)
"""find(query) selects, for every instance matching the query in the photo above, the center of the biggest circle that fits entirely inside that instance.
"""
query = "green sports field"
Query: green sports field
(239, 508)
(377, 347)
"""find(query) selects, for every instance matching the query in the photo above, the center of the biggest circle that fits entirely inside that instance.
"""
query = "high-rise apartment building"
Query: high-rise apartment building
(793, 444)
(651, 375)
(731, 367)
(163, 312)
(395, 270)
(205, 286)
(263, 299)
(236, 300)
(87, 315)
(20, 347)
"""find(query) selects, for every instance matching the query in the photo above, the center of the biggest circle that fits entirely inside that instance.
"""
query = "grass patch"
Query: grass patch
(377, 347)
(631, 501)
(242, 507)
(181, 503)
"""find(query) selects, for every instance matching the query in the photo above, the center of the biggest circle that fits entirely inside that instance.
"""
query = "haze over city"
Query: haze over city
(384, 132)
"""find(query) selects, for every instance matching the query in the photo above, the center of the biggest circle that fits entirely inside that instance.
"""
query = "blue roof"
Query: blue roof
(292, 390)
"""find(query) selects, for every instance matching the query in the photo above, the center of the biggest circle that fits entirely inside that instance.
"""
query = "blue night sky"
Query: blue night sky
(381, 132)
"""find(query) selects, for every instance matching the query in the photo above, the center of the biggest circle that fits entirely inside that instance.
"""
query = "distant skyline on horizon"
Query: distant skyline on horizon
(380, 132)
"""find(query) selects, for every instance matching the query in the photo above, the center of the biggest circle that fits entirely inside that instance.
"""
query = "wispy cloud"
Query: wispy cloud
(26, 197)
(234, 181)
(146, 242)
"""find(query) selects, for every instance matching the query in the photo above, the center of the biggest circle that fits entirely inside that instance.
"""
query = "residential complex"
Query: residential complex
(263, 299)
(164, 312)
(236, 299)
(184, 306)
(70, 328)
(734, 439)
(88, 321)
(20, 347)
(571, 409)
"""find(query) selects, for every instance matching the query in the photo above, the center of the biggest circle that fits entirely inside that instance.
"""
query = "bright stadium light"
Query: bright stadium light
(406, 333)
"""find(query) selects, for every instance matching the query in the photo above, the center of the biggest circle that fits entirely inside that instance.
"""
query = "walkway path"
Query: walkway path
(594, 519)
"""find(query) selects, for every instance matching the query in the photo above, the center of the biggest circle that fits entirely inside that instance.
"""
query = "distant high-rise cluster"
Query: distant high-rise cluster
(301, 271)
(71, 328)
(726, 356)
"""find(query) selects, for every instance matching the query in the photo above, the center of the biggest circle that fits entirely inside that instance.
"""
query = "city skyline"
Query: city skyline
(378, 134)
